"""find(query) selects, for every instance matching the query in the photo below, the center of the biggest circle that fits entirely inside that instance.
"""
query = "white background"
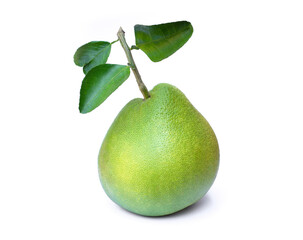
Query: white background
(242, 69)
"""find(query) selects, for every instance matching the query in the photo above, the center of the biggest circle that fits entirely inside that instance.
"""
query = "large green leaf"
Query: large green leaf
(160, 41)
(92, 54)
(99, 83)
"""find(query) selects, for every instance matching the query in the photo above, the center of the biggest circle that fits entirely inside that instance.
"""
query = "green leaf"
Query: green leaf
(160, 41)
(92, 54)
(99, 83)
(98, 60)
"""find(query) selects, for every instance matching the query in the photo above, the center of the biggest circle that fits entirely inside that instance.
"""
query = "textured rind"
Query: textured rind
(160, 155)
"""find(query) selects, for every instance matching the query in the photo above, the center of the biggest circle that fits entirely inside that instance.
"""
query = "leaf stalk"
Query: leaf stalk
(131, 63)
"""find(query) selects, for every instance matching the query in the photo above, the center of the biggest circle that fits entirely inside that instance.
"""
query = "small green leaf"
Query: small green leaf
(160, 41)
(99, 83)
(98, 60)
(92, 54)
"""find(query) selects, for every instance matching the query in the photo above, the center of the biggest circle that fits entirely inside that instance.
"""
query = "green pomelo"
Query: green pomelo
(160, 155)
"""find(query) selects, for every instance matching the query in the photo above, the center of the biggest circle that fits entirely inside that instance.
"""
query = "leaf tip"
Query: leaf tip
(80, 110)
(83, 110)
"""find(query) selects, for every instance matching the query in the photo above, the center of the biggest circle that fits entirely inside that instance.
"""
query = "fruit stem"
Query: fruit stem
(131, 63)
